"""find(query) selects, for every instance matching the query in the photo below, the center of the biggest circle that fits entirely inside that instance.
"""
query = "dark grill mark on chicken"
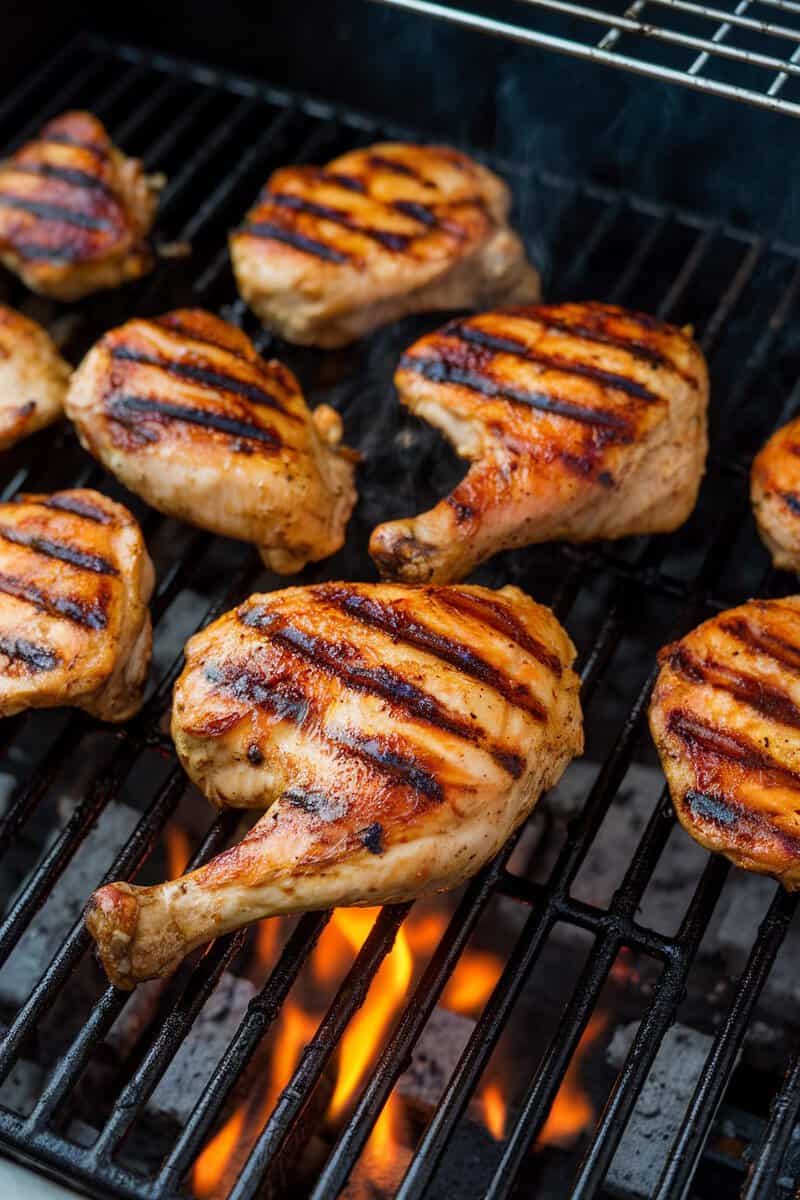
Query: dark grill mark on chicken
(298, 241)
(34, 658)
(551, 362)
(319, 804)
(343, 661)
(55, 212)
(123, 408)
(39, 252)
(90, 616)
(400, 628)
(498, 617)
(244, 682)
(598, 333)
(371, 838)
(441, 372)
(764, 698)
(724, 744)
(68, 139)
(763, 642)
(384, 237)
(80, 508)
(69, 175)
(396, 167)
(377, 753)
(203, 376)
(61, 550)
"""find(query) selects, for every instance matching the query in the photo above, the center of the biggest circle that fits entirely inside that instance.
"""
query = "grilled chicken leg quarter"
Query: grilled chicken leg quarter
(329, 253)
(775, 495)
(725, 717)
(399, 735)
(74, 211)
(581, 421)
(185, 412)
(33, 378)
(75, 579)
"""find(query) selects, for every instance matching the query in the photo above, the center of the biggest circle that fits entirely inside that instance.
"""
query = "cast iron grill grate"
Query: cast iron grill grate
(217, 137)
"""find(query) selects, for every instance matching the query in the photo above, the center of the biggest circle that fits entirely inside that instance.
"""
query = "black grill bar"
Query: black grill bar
(687, 1147)
(219, 139)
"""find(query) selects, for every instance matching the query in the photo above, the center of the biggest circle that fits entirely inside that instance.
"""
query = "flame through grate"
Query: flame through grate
(217, 137)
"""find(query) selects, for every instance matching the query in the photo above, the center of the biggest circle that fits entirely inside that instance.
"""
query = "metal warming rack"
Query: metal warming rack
(740, 291)
(746, 50)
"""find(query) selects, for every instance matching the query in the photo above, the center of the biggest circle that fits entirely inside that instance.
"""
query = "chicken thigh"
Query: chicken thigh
(396, 735)
(74, 211)
(33, 378)
(184, 411)
(75, 580)
(725, 716)
(581, 421)
(775, 496)
(328, 254)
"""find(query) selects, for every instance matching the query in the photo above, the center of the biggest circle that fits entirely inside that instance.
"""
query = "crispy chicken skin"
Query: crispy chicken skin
(33, 378)
(725, 716)
(75, 580)
(775, 496)
(329, 253)
(185, 412)
(581, 421)
(397, 736)
(74, 211)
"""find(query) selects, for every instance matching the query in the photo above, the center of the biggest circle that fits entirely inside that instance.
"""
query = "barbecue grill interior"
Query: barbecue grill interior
(606, 923)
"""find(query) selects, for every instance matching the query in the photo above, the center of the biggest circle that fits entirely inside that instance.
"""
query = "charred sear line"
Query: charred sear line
(400, 628)
(37, 251)
(396, 167)
(499, 618)
(79, 508)
(763, 642)
(298, 241)
(741, 824)
(325, 212)
(599, 334)
(244, 683)
(319, 804)
(34, 658)
(203, 376)
(552, 362)
(717, 809)
(418, 212)
(66, 139)
(90, 616)
(342, 661)
(729, 746)
(766, 699)
(381, 755)
(791, 501)
(126, 407)
(371, 838)
(73, 176)
(61, 550)
(439, 372)
(350, 182)
(55, 212)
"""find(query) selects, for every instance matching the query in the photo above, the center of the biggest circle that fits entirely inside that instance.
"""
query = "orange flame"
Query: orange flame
(494, 1111)
(472, 981)
(572, 1110)
(177, 849)
(211, 1166)
(366, 1031)
(266, 941)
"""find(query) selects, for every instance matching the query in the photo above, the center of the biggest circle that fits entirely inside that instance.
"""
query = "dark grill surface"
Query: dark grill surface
(216, 137)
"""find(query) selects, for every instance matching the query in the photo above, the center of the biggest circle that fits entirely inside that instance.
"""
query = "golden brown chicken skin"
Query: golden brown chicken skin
(74, 211)
(185, 412)
(33, 378)
(775, 496)
(580, 421)
(397, 737)
(329, 253)
(725, 717)
(75, 579)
